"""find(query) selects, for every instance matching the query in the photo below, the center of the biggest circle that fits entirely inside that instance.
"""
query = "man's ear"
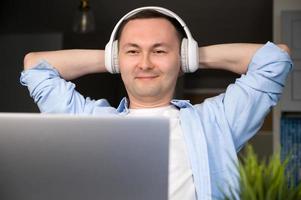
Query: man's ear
(181, 73)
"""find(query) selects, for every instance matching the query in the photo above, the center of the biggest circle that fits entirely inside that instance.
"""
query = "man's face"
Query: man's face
(149, 59)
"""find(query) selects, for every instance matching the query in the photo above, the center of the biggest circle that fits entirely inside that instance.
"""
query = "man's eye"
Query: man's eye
(159, 51)
(132, 52)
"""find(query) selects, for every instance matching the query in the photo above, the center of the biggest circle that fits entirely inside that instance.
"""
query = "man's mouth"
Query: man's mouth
(147, 77)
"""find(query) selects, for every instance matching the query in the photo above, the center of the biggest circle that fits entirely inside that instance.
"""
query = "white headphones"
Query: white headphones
(189, 47)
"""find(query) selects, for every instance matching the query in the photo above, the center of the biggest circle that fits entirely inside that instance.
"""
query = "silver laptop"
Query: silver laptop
(63, 157)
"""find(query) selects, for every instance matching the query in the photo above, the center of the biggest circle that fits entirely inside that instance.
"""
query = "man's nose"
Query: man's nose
(145, 62)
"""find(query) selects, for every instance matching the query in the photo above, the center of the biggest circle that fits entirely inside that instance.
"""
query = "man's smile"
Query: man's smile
(146, 77)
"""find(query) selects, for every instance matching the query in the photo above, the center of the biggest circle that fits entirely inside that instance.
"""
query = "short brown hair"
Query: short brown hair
(148, 14)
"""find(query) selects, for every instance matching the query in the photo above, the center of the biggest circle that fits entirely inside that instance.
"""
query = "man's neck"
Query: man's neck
(148, 103)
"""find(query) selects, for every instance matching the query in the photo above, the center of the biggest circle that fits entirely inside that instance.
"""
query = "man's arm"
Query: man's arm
(248, 100)
(48, 86)
(231, 57)
(69, 63)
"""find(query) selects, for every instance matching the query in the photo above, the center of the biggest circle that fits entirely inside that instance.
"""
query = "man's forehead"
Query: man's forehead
(150, 27)
(145, 20)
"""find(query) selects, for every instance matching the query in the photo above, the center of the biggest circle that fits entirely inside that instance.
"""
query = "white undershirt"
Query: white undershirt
(181, 184)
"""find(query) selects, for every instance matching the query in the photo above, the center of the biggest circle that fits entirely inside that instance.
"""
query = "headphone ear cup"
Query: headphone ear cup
(115, 62)
(193, 52)
(184, 55)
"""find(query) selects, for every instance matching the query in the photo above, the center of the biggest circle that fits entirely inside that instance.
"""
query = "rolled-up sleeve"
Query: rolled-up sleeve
(246, 103)
(54, 94)
(268, 69)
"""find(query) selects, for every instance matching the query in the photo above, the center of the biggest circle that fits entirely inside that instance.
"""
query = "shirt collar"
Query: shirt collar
(124, 105)
(181, 103)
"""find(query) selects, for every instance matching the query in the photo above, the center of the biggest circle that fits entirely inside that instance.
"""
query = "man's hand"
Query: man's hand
(71, 64)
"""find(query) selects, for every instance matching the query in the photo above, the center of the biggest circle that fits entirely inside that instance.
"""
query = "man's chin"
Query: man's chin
(147, 93)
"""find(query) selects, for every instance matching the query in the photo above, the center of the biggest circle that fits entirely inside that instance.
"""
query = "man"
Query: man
(204, 137)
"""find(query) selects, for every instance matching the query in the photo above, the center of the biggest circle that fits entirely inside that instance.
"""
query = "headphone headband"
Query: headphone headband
(155, 8)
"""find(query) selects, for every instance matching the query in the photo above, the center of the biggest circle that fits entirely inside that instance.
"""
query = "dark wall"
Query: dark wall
(210, 22)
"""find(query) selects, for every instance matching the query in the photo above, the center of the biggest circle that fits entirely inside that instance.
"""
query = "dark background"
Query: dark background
(210, 21)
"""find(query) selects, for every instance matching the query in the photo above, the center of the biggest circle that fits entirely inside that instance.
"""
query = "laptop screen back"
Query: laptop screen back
(45, 157)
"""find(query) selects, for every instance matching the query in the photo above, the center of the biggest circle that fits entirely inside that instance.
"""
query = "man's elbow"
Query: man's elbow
(285, 48)
(29, 60)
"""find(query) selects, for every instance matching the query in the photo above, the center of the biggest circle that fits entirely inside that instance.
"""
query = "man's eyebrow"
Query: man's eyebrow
(131, 45)
(159, 44)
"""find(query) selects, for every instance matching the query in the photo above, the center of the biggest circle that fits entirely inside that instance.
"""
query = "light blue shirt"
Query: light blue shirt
(214, 130)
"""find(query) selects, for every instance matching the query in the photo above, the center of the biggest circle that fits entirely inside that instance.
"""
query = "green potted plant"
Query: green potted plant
(262, 180)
